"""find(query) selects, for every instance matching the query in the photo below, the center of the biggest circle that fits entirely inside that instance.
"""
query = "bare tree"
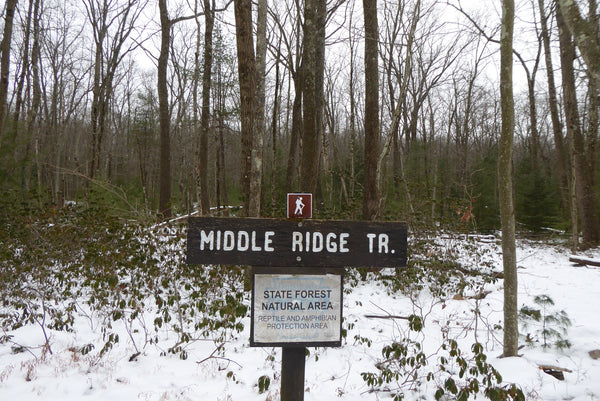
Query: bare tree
(561, 156)
(164, 206)
(63, 89)
(583, 30)
(112, 24)
(397, 111)
(509, 256)
(291, 58)
(166, 23)
(371, 194)
(5, 61)
(275, 124)
(352, 44)
(313, 68)
(222, 82)
(247, 77)
(25, 58)
(202, 161)
(254, 205)
(582, 179)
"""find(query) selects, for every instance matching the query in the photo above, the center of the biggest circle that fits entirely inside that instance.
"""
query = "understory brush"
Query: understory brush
(448, 372)
(447, 267)
(82, 263)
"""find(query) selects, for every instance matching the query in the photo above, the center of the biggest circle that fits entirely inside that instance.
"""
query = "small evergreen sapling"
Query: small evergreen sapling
(554, 324)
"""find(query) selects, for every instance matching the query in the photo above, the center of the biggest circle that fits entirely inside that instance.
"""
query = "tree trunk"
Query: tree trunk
(11, 5)
(593, 91)
(507, 212)
(351, 84)
(25, 66)
(312, 77)
(561, 155)
(196, 119)
(164, 207)
(222, 197)
(295, 70)
(296, 133)
(254, 204)
(583, 32)
(247, 76)
(397, 112)
(209, 21)
(275, 127)
(36, 98)
(371, 188)
(586, 198)
(535, 141)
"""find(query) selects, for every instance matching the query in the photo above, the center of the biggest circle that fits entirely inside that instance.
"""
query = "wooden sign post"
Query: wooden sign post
(297, 285)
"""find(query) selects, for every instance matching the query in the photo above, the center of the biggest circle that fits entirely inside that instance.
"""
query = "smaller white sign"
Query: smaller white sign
(296, 308)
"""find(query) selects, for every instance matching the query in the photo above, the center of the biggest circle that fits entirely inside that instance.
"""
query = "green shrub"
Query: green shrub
(549, 325)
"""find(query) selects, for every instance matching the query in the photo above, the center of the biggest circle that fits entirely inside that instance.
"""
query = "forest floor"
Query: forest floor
(229, 369)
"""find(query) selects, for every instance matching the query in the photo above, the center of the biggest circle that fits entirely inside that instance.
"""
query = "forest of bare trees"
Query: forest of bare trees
(384, 109)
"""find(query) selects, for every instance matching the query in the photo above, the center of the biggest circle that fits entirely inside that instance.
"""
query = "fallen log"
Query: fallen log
(582, 260)
(386, 317)
(554, 371)
(467, 272)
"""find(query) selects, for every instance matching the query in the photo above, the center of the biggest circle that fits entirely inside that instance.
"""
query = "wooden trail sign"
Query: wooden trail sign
(292, 243)
(297, 297)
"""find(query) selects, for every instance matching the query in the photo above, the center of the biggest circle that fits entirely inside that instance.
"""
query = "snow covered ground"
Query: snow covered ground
(232, 372)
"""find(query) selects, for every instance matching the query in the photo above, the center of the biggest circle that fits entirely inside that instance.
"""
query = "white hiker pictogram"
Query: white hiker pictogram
(299, 206)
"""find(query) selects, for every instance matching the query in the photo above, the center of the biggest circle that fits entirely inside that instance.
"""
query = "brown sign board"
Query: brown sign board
(292, 243)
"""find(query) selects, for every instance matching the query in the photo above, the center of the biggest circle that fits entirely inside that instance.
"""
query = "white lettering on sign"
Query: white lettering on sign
(383, 241)
(207, 239)
(307, 241)
(317, 242)
(240, 241)
(229, 241)
(330, 244)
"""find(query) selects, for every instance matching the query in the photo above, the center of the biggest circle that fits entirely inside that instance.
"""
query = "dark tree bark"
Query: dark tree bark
(371, 188)
(594, 102)
(25, 64)
(583, 33)
(313, 70)
(254, 202)
(296, 132)
(247, 76)
(164, 206)
(209, 21)
(294, 66)
(275, 127)
(164, 120)
(352, 42)
(222, 197)
(586, 197)
(561, 155)
(11, 5)
(507, 211)
(36, 100)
